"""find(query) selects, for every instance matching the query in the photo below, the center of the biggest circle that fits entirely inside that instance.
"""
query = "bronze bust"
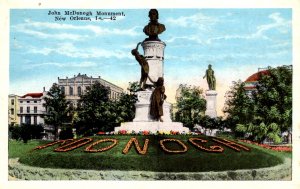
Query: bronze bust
(154, 28)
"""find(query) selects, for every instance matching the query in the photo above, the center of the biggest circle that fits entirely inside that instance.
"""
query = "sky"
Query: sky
(236, 42)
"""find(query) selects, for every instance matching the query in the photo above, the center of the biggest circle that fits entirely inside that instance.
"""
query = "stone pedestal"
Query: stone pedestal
(142, 108)
(154, 54)
(143, 120)
(211, 103)
(152, 126)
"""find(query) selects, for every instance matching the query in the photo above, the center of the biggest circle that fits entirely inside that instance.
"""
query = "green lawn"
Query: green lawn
(194, 160)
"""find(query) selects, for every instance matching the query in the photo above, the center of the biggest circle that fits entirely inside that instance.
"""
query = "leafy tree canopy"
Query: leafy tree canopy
(57, 108)
(190, 103)
(265, 113)
(96, 112)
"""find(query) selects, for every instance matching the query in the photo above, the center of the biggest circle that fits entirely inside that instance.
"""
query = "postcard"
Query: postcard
(159, 93)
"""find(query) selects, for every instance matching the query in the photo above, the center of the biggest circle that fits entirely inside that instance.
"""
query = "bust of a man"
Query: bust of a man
(154, 28)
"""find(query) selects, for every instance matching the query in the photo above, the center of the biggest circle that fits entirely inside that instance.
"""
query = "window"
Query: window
(63, 89)
(12, 101)
(35, 120)
(35, 109)
(35, 101)
(79, 91)
(21, 109)
(27, 119)
(28, 101)
(71, 90)
(21, 101)
(12, 111)
(28, 109)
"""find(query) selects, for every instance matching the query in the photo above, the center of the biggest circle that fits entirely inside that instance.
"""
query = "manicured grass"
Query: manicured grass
(194, 160)
(17, 149)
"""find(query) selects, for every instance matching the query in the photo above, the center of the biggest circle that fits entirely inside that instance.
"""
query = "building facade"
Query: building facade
(76, 86)
(13, 107)
(251, 81)
(31, 109)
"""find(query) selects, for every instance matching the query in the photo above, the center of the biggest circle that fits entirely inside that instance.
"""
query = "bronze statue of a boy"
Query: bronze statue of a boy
(157, 99)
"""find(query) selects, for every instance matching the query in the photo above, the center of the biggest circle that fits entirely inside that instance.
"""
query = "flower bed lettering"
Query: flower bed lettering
(137, 146)
(71, 144)
(63, 142)
(161, 142)
(90, 147)
(210, 149)
(230, 144)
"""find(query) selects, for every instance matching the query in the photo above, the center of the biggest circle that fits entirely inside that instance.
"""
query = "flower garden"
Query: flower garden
(145, 151)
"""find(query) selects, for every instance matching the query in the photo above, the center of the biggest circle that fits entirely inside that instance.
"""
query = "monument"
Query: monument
(211, 93)
(152, 112)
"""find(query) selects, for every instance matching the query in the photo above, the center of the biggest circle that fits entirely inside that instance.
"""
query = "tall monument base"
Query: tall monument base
(144, 122)
(152, 127)
(211, 103)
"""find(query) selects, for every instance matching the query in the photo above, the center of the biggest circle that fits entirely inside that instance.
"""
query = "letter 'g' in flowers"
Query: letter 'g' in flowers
(210, 149)
(161, 142)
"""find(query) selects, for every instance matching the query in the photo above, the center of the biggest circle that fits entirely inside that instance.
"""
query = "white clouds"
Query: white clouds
(194, 38)
(69, 50)
(97, 30)
(63, 64)
(229, 56)
(278, 24)
(23, 28)
(205, 23)
(199, 20)
(44, 51)
(280, 44)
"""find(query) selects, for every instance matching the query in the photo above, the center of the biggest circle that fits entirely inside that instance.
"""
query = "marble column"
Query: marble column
(154, 54)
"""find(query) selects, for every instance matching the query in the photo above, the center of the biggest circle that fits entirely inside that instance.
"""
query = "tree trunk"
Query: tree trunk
(55, 132)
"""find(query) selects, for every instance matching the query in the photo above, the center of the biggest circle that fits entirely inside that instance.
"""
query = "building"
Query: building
(251, 81)
(31, 109)
(13, 107)
(76, 86)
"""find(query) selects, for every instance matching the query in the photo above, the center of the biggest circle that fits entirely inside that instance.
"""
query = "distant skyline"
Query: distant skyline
(236, 42)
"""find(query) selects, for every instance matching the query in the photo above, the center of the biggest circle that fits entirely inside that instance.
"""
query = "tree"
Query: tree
(273, 101)
(210, 123)
(267, 112)
(133, 87)
(125, 108)
(57, 109)
(15, 131)
(26, 132)
(190, 104)
(66, 133)
(94, 111)
(239, 107)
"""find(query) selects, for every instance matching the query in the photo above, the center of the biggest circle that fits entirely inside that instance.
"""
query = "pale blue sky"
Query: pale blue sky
(235, 41)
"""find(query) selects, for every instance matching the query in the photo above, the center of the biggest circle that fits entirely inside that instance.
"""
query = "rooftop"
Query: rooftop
(255, 77)
(33, 95)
